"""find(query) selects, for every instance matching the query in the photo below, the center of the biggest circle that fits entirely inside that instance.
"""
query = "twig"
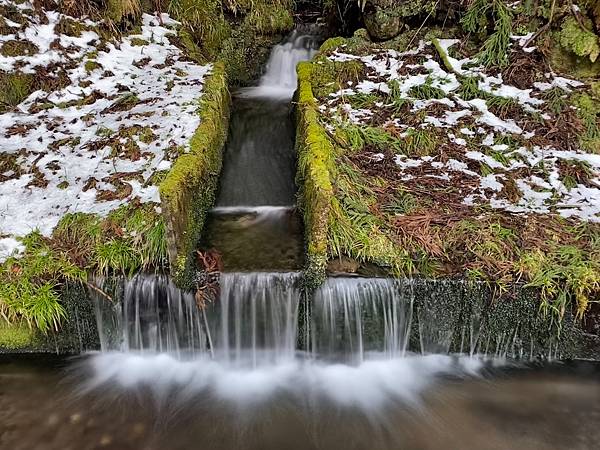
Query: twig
(578, 17)
(422, 25)
(544, 28)
(98, 291)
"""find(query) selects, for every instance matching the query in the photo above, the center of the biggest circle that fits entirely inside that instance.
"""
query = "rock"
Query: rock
(343, 265)
(382, 19)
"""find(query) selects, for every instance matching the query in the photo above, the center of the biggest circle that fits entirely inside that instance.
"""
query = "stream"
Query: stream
(265, 367)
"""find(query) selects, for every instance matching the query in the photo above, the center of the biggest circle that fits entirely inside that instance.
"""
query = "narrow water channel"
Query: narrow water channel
(258, 369)
(255, 226)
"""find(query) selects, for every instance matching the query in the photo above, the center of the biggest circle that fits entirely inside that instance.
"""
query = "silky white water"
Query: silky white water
(261, 338)
(280, 79)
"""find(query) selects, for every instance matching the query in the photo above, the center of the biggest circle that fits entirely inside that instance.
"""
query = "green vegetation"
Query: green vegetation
(239, 33)
(129, 239)
(17, 336)
(580, 40)
(18, 48)
(426, 91)
(135, 237)
(14, 88)
(359, 211)
(495, 47)
(588, 110)
(123, 11)
(315, 158)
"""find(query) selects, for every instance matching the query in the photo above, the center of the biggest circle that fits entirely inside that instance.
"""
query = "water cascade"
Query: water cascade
(350, 342)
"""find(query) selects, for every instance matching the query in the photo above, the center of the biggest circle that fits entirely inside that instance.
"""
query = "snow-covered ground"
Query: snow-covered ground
(468, 132)
(127, 110)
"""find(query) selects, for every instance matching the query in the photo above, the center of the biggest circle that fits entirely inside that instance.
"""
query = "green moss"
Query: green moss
(70, 27)
(568, 62)
(16, 336)
(329, 76)
(244, 52)
(443, 55)
(138, 42)
(18, 48)
(204, 26)
(91, 65)
(188, 190)
(121, 12)
(269, 18)
(315, 157)
(332, 44)
(588, 109)
(581, 42)
(14, 88)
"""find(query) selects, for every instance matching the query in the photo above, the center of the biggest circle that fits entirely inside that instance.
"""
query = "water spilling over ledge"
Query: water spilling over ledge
(346, 319)
(247, 346)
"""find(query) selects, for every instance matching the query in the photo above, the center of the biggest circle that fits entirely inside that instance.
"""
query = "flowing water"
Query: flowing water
(355, 365)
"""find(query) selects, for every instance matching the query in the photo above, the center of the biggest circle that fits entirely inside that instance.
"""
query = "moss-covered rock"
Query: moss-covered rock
(384, 19)
(189, 189)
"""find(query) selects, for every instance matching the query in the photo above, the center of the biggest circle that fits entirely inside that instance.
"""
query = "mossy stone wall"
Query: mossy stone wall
(189, 189)
(315, 154)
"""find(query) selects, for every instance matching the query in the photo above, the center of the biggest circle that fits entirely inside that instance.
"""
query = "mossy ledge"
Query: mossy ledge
(315, 153)
(189, 189)
(42, 291)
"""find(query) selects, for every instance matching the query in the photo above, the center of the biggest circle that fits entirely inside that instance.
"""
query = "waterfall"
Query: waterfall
(263, 318)
(256, 317)
(247, 346)
(355, 316)
(281, 68)
(153, 316)
(280, 79)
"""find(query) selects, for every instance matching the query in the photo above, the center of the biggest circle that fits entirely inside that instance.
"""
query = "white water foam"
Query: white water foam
(370, 385)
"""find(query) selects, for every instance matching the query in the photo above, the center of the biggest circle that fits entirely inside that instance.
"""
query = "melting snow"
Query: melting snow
(95, 144)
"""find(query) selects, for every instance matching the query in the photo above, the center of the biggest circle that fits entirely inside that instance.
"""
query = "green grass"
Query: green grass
(419, 141)
(563, 276)
(469, 88)
(426, 91)
(502, 104)
(556, 99)
(398, 101)
(357, 137)
(27, 284)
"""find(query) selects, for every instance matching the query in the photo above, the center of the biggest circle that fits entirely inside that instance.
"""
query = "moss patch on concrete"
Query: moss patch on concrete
(17, 336)
(315, 156)
(189, 189)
